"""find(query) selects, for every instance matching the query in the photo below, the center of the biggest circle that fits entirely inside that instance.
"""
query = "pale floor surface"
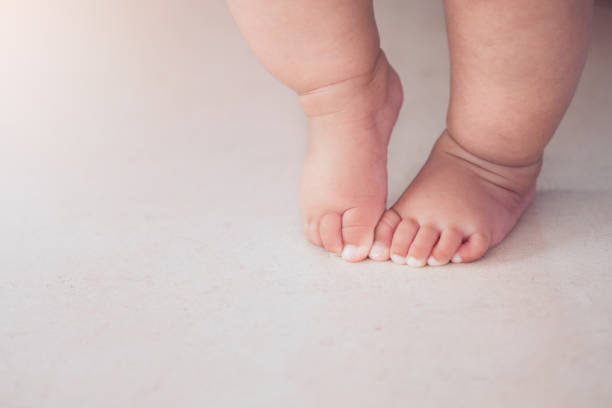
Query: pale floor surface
(151, 253)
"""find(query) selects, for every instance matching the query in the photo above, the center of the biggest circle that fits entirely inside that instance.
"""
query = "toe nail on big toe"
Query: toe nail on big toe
(352, 252)
(377, 251)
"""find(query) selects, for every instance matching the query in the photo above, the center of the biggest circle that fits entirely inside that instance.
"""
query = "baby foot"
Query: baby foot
(343, 188)
(457, 207)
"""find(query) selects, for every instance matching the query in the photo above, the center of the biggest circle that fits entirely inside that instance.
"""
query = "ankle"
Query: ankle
(519, 178)
(366, 92)
(507, 144)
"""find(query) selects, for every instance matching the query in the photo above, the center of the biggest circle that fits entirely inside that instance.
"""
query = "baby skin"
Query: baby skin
(514, 68)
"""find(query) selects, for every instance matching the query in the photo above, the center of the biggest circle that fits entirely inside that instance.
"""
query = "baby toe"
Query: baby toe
(330, 230)
(358, 232)
(383, 235)
(447, 246)
(422, 245)
(473, 248)
(402, 238)
(311, 230)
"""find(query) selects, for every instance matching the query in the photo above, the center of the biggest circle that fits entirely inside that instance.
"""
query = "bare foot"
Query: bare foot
(457, 207)
(343, 188)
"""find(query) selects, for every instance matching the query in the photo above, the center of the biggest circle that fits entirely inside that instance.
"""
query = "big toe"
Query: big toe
(358, 232)
(383, 235)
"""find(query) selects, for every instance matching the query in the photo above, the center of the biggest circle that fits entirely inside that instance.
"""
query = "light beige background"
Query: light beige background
(150, 245)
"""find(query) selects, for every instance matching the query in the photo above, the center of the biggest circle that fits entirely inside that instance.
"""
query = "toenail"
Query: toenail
(457, 259)
(378, 250)
(434, 262)
(351, 252)
(412, 261)
(398, 259)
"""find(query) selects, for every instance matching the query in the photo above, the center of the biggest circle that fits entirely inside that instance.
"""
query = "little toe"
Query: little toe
(383, 235)
(330, 230)
(447, 246)
(311, 229)
(358, 232)
(402, 238)
(472, 249)
(421, 247)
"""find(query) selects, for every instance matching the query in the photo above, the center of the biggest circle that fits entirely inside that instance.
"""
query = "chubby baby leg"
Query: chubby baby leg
(514, 67)
(328, 52)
